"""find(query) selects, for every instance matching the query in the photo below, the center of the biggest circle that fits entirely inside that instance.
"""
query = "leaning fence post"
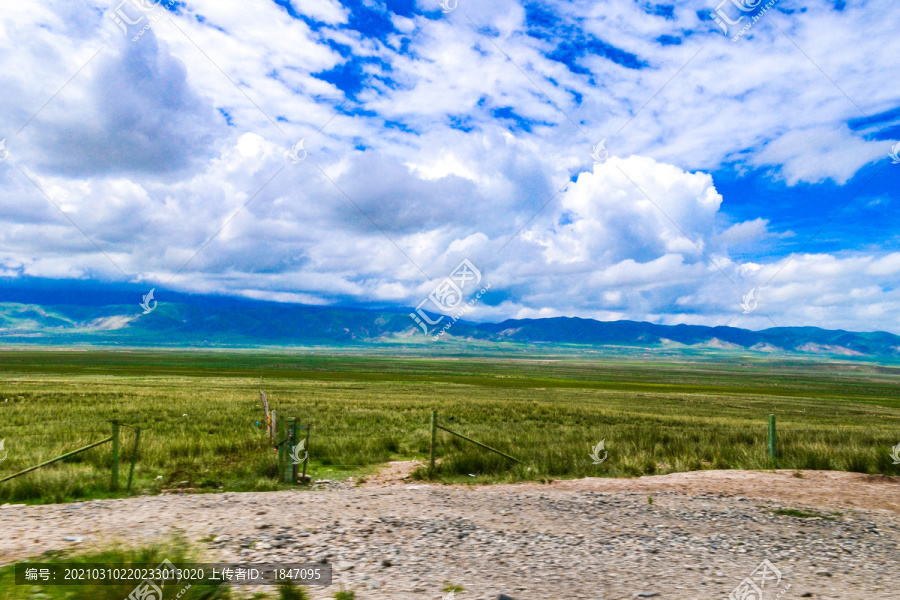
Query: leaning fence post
(433, 435)
(57, 459)
(137, 439)
(477, 443)
(114, 485)
(772, 436)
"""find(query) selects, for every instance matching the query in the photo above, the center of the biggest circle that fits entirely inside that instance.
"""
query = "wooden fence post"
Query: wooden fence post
(114, 485)
(137, 439)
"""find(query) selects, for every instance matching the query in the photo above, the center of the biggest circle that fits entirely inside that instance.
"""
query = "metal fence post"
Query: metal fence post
(58, 458)
(281, 445)
(306, 447)
(433, 435)
(477, 443)
(114, 485)
(290, 470)
(772, 436)
(137, 439)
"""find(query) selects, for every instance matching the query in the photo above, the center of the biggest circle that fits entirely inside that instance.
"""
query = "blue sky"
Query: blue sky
(150, 145)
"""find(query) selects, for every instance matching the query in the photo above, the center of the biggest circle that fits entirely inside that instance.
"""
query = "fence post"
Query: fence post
(265, 405)
(290, 469)
(281, 443)
(137, 439)
(433, 435)
(114, 485)
(306, 447)
(772, 436)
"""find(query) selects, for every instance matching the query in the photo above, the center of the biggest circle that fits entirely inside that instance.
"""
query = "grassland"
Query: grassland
(199, 411)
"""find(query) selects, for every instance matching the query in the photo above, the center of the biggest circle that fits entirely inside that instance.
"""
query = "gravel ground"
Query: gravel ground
(701, 536)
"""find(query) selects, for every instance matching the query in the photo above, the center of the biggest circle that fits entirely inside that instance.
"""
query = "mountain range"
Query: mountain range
(213, 321)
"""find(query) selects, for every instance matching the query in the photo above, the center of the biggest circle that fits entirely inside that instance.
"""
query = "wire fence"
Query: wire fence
(626, 446)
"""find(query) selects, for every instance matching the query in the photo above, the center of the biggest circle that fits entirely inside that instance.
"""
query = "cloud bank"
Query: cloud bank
(433, 137)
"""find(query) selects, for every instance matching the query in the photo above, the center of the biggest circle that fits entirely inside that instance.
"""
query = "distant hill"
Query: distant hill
(199, 321)
(629, 333)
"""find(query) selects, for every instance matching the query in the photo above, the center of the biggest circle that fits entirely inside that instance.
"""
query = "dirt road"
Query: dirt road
(681, 536)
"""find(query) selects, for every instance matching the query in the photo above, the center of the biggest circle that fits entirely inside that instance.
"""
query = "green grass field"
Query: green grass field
(199, 411)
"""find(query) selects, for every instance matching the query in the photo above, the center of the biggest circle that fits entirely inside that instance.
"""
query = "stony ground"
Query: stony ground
(681, 536)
